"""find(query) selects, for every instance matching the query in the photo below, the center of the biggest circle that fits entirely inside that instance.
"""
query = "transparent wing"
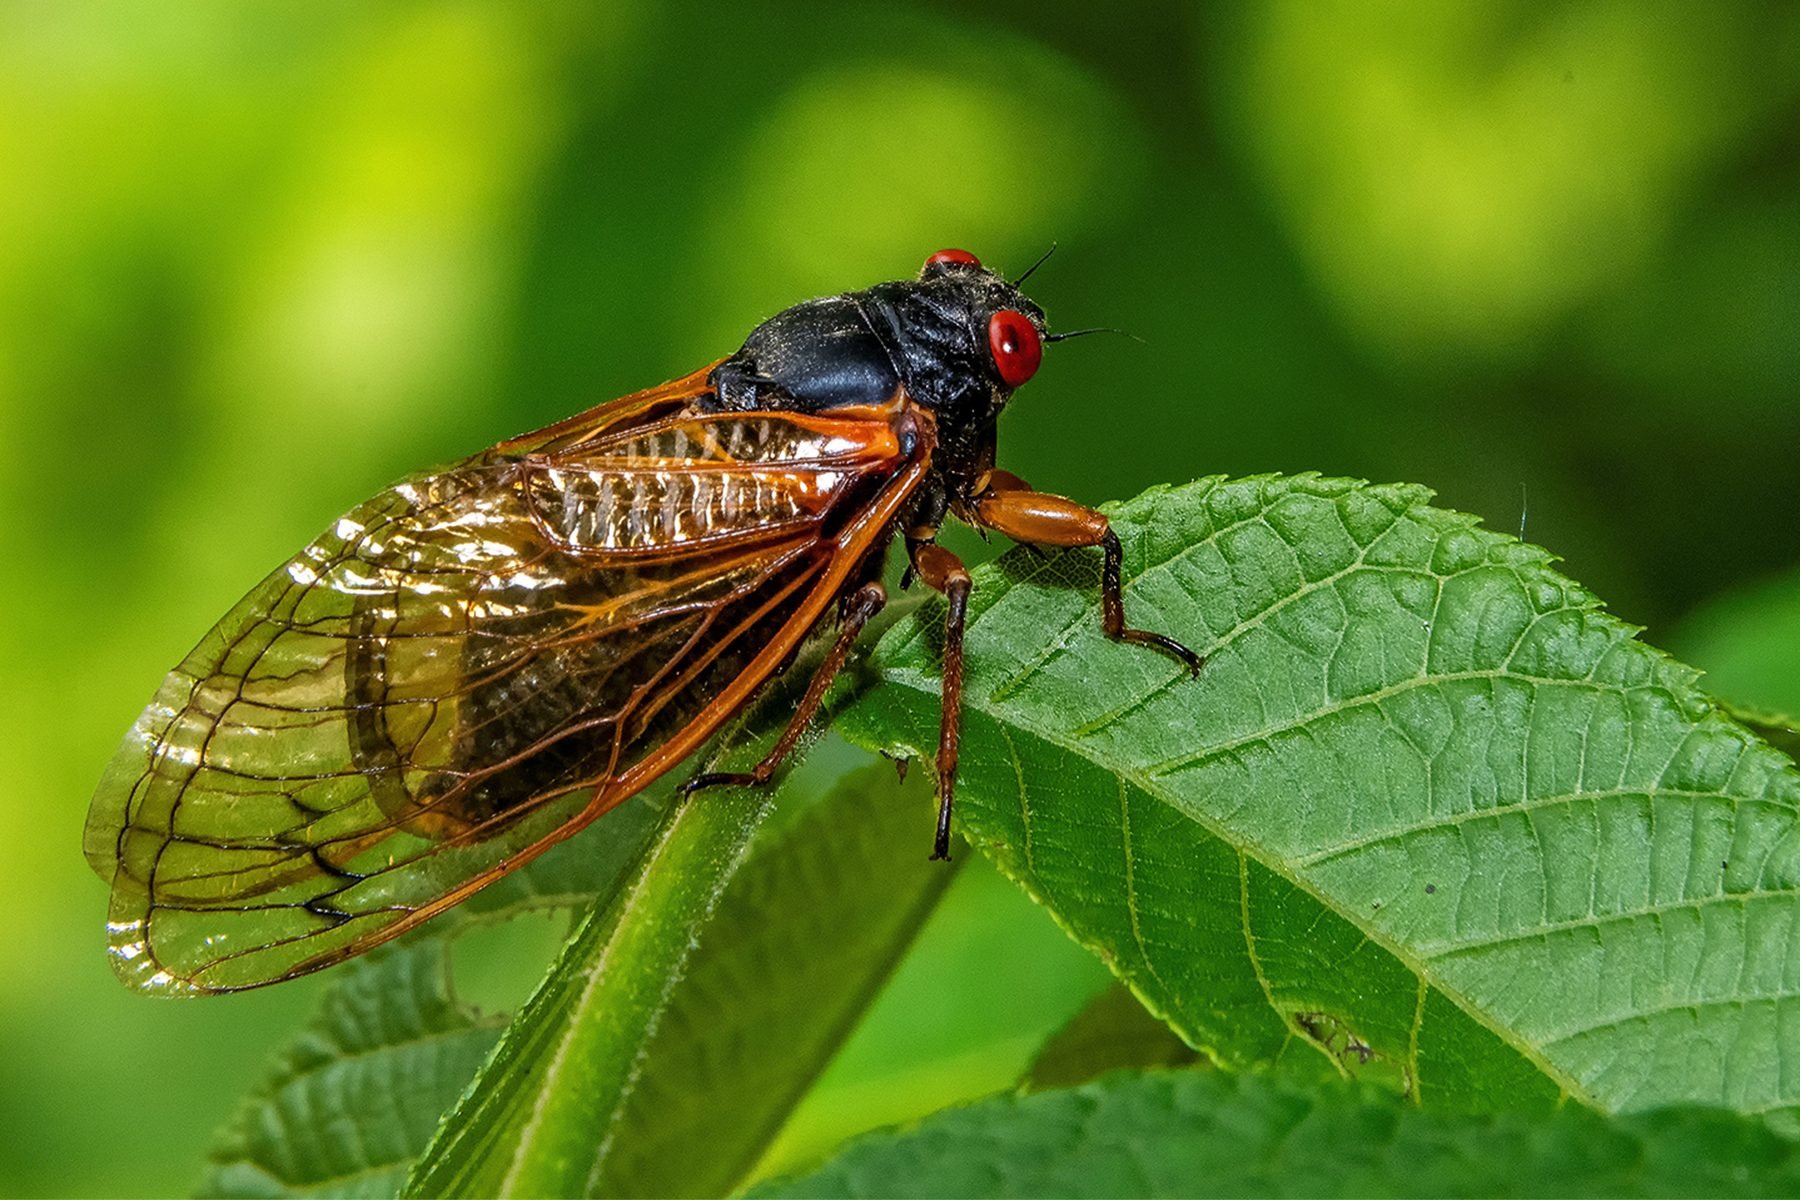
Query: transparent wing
(464, 669)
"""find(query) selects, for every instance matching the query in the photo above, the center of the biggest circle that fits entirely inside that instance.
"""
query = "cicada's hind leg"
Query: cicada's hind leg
(942, 571)
(859, 607)
(1041, 519)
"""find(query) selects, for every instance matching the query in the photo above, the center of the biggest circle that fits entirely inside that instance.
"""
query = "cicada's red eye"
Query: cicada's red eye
(961, 258)
(1015, 345)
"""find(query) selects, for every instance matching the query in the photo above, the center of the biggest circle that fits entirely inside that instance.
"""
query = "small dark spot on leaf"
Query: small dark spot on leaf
(1431, 889)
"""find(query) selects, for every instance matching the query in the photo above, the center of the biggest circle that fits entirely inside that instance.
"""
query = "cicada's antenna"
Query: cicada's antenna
(1075, 333)
(1020, 281)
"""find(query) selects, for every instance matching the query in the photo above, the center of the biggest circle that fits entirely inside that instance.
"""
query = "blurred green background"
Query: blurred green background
(258, 260)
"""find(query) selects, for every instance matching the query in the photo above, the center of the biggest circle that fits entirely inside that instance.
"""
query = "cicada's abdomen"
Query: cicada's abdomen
(702, 482)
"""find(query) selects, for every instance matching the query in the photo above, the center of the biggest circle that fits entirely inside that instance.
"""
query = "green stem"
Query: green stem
(534, 1121)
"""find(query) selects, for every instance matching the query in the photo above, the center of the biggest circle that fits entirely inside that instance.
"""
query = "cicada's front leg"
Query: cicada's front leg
(1010, 507)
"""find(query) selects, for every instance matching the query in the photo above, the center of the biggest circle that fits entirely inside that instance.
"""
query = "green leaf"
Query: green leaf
(1203, 1133)
(1113, 1032)
(1427, 816)
(804, 937)
(359, 1093)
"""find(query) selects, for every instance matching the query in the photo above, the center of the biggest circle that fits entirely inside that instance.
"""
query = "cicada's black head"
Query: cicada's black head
(959, 339)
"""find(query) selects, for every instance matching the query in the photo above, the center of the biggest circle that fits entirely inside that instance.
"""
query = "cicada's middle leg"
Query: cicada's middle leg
(944, 572)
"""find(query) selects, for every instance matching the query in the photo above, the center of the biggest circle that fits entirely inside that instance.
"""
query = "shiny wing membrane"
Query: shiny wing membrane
(469, 667)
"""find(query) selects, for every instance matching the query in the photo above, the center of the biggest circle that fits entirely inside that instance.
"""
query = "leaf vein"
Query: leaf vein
(1456, 949)
(1402, 687)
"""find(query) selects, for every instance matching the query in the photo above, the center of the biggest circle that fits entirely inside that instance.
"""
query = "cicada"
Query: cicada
(480, 661)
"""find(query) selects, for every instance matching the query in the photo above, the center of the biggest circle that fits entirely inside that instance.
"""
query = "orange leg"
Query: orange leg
(860, 605)
(1041, 519)
(942, 571)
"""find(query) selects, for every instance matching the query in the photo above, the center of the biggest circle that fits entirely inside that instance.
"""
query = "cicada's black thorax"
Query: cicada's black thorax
(928, 335)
